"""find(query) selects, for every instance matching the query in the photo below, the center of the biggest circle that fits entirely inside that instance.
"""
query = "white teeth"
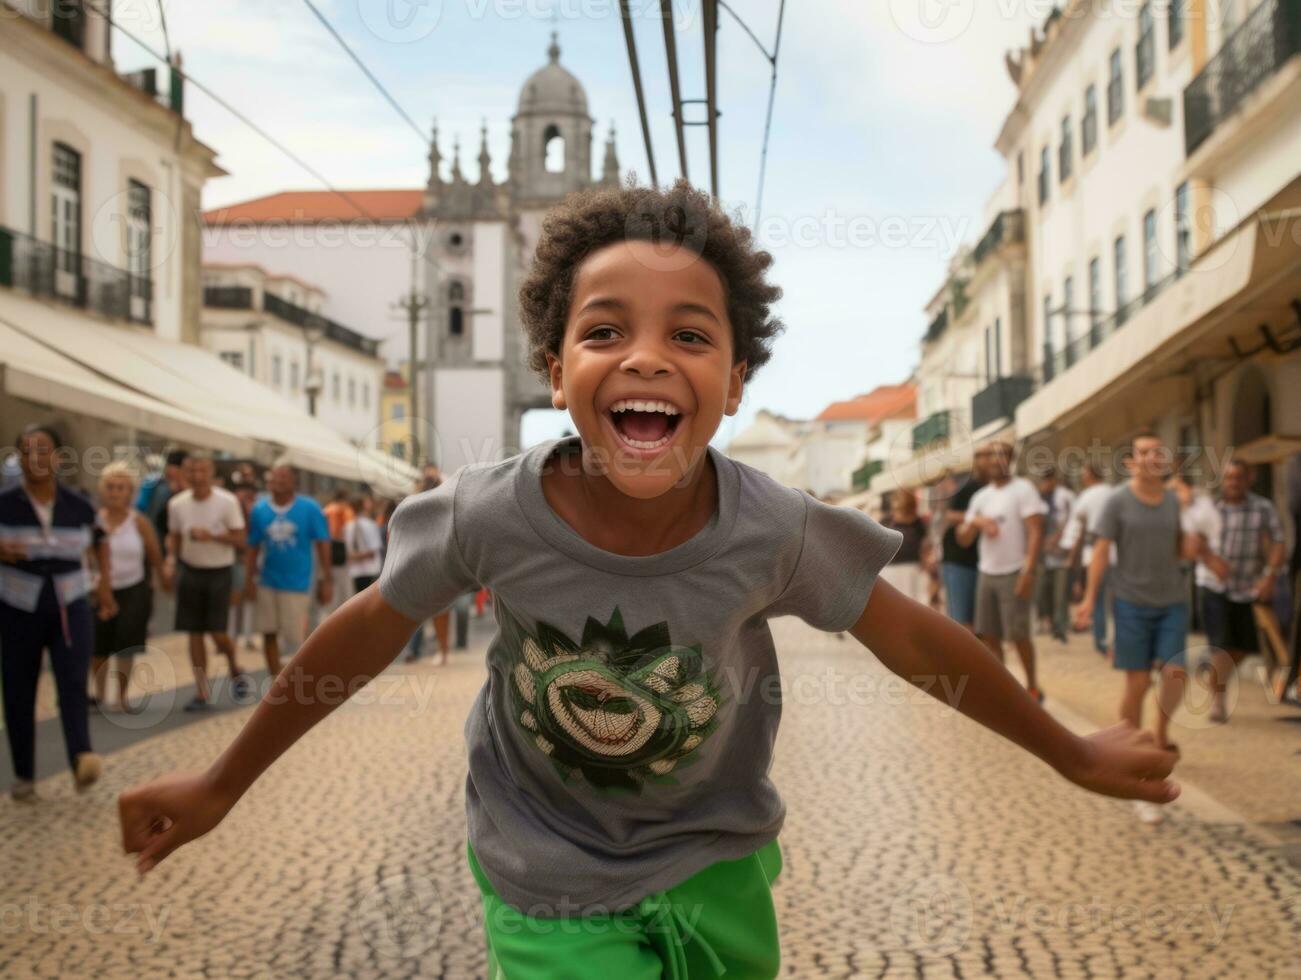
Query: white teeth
(638, 405)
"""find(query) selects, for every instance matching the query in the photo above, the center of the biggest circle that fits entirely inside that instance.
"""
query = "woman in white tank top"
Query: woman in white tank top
(134, 557)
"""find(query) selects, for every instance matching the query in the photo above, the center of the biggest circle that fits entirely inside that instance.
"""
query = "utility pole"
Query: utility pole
(414, 304)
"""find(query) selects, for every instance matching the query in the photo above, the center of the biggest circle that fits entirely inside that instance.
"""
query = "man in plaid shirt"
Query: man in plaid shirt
(1252, 546)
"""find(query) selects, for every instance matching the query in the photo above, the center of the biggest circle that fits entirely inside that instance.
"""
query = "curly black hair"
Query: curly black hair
(588, 221)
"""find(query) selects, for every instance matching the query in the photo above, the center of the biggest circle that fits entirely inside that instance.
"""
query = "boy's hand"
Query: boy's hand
(161, 815)
(1083, 617)
(1123, 762)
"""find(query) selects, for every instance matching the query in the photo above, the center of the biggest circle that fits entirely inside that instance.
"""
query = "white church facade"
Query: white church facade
(463, 244)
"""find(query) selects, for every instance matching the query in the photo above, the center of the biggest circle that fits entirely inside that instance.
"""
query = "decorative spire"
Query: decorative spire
(553, 51)
(610, 169)
(456, 159)
(435, 157)
(485, 161)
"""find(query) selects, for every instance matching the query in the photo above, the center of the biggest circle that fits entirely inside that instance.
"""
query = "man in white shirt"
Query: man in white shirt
(205, 524)
(1007, 517)
(1054, 595)
(1078, 542)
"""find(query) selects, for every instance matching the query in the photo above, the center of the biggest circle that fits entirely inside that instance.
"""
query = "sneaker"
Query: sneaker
(239, 687)
(23, 791)
(1148, 813)
(87, 769)
(197, 704)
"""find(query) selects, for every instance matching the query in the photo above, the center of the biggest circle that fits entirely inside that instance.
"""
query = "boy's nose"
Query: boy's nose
(646, 360)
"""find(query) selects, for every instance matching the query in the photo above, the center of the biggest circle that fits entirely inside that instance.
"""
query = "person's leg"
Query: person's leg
(988, 624)
(415, 644)
(99, 669)
(271, 649)
(1133, 656)
(293, 611)
(22, 641)
(268, 625)
(1131, 702)
(1061, 604)
(70, 661)
(1017, 617)
(1170, 640)
(1043, 602)
(199, 664)
(441, 634)
(1100, 607)
(1294, 665)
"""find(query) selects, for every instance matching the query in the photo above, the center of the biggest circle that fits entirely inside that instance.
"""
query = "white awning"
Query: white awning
(38, 374)
(196, 382)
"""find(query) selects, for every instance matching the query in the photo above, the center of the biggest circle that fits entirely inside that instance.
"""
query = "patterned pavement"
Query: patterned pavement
(916, 844)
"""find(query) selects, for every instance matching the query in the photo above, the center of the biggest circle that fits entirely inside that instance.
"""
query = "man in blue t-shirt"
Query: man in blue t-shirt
(284, 528)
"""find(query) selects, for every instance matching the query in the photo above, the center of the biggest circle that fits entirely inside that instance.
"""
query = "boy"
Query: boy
(619, 754)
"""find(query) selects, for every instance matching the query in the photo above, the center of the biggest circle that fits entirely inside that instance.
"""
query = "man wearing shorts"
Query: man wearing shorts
(1149, 597)
(958, 565)
(284, 529)
(1007, 516)
(205, 525)
(1253, 549)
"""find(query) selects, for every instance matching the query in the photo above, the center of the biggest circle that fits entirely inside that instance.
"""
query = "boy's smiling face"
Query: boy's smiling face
(645, 368)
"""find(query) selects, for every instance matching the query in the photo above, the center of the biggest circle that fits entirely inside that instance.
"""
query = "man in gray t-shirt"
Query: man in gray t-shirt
(1142, 518)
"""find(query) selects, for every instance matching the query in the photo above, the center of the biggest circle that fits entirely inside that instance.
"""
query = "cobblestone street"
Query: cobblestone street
(916, 844)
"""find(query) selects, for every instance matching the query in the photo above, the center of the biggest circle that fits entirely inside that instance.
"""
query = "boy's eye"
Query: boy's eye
(692, 337)
(600, 333)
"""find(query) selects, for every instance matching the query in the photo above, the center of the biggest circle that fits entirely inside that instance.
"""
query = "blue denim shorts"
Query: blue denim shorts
(1148, 636)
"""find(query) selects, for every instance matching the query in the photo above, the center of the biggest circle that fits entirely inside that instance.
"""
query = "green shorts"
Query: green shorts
(719, 922)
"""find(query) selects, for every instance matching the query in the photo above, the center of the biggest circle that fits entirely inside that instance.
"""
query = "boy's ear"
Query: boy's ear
(735, 388)
(557, 389)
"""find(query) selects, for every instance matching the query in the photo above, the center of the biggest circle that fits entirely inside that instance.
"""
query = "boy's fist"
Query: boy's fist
(159, 816)
(1126, 763)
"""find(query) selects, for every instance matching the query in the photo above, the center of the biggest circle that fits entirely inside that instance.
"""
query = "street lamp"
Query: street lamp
(313, 333)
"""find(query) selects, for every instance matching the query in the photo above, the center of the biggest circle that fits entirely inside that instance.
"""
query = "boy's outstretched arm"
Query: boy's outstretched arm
(922, 646)
(342, 655)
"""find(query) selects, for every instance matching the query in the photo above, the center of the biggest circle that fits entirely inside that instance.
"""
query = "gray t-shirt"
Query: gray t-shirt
(623, 739)
(1147, 570)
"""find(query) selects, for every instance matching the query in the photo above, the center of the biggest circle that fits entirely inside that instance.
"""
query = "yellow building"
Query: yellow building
(395, 415)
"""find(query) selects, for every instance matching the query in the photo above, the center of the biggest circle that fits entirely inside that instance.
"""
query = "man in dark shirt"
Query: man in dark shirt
(958, 561)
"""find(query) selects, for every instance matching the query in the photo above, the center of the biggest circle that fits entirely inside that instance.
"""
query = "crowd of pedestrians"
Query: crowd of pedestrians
(220, 558)
(1136, 565)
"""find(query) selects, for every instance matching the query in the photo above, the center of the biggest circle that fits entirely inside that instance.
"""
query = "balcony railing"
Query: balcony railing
(937, 327)
(336, 332)
(228, 297)
(863, 476)
(50, 272)
(1265, 41)
(931, 430)
(1008, 227)
(998, 399)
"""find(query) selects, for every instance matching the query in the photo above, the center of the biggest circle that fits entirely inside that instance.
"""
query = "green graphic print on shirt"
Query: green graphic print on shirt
(615, 710)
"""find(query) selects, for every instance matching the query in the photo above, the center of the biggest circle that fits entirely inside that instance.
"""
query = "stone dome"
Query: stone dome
(552, 89)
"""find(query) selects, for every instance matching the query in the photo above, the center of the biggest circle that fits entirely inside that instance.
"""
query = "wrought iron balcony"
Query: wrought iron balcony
(1008, 227)
(50, 272)
(931, 430)
(864, 475)
(302, 317)
(1265, 41)
(228, 297)
(998, 399)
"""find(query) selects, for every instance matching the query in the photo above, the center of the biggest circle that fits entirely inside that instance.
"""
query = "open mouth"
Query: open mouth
(644, 424)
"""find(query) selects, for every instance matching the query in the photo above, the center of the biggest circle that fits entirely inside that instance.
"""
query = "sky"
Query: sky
(880, 162)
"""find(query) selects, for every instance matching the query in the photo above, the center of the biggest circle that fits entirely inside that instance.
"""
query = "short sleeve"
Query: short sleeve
(424, 571)
(234, 514)
(842, 553)
(1031, 504)
(1108, 524)
(256, 527)
(320, 526)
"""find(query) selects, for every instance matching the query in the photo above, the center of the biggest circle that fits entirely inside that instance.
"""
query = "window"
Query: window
(1050, 357)
(1020, 169)
(1116, 90)
(553, 150)
(68, 21)
(276, 371)
(293, 375)
(365, 394)
(1175, 22)
(1095, 301)
(336, 388)
(1045, 176)
(65, 226)
(234, 358)
(455, 291)
(456, 321)
(1066, 152)
(399, 450)
(994, 351)
(998, 347)
(139, 234)
(1090, 127)
(1151, 257)
(1068, 307)
(352, 392)
(989, 355)
(1122, 280)
(398, 411)
(1183, 231)
(1145, 51)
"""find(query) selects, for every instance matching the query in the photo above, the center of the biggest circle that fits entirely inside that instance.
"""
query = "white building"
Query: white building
(100, 287)
(272, 328)
(463, 243)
